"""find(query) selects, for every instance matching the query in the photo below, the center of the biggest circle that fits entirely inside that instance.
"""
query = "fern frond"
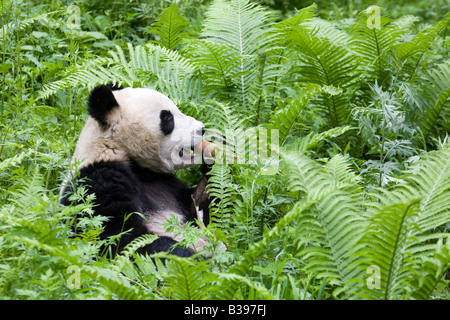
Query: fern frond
(221, 189)
(331, 230)
(429, 181)
(384, 245)
(171, 27)
(437, 93)
(186, 279)
(137, 243)
(279, 54)
(229, 285)
(115, 283)
(234, 278)
(146, 66)
(5, 29)
(29, 195)
(216, 61)
(305, 143)
(431, 271)
(285, 119)
(408, 54)
(76, 75)
(240, 29)
(431, 178)
(327, 232)
(373, 45)
(222, 117)
(302, 16)
(328, 30)
(399, 237)
(326, 218)
(339, 167)
(328, 64)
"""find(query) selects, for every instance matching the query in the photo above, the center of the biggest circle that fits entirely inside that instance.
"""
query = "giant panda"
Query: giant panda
(132, 141)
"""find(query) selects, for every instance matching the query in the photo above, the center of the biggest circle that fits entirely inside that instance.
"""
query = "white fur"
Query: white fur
(135, 132)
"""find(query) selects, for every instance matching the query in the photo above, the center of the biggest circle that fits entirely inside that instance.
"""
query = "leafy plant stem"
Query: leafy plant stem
(322, 288)
(395, 253)
(3, 60)
(383, 139)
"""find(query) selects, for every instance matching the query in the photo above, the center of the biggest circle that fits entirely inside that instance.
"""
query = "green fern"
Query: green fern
(331, 231)
(171, 27)
(18, 25)
(309, 141)
(327, 231)
(328, 30)
(401, 236)
(117, 285)
(221, 189)
(229, 285)
(304, 15)
(430, 181)
(137, 243)
(217, 62)
(337, 242)
(146, 66)
(238, 280)
(327, 63)
(374, 45)
(432, 269)
(407, 55)
(285, 119)
(241, 30)
(223, 117)
(186, 279)
(427, 180)
(388, 237)
(278, 56)
(437, 93)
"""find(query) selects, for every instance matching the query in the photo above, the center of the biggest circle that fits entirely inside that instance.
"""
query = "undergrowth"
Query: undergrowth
(352, 203)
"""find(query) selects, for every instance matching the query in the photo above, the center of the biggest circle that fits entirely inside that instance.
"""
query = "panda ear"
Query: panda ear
(115, 86)
(100, 103)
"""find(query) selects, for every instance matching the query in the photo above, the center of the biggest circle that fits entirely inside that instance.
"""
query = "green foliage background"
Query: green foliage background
(359, 207)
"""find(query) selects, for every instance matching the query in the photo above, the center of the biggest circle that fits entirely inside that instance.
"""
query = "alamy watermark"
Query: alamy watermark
(74, 21)
(374, 20)
(259, 147)
(373, 281)
(73, 281)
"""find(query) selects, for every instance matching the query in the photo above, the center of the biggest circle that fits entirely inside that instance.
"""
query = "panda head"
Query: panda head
(138, 124)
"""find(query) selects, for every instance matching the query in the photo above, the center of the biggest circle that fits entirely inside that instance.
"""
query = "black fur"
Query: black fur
(115, 86)
(121, 190)
(101, 101)
(167, 123)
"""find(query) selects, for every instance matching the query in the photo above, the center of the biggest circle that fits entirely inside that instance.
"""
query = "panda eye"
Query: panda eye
(167, 122)
(166, 115)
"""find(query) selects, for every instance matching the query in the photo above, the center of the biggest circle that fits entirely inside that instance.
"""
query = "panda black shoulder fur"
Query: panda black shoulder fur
(128, 148)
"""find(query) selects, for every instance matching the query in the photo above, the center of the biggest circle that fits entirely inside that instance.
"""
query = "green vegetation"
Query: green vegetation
(359, 206)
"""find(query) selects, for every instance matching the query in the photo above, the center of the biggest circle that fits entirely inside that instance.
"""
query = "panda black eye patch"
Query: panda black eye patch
(167, 122)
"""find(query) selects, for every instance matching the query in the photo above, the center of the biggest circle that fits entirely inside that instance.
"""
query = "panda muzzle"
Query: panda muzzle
(211, 149)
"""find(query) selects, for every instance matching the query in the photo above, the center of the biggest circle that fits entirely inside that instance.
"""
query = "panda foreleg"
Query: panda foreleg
(116, 197)
(201, 201)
